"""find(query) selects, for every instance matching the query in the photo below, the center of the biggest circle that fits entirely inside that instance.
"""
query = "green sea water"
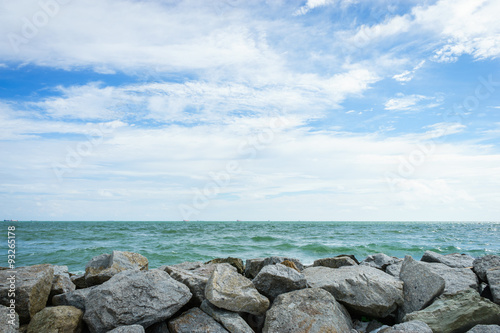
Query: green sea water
(163, 243)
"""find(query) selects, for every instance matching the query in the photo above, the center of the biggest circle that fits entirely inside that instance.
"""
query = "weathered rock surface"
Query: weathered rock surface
(252, 267)
(456, 279)
(128, 329)
(335, 262)
(458, 312)
(74, 298)
(10, 320)
(485, 329)
(279, 260)
(188, 265)
(79, 281)
(380, 261)
(33, 285)
(274, 280)
(415, 326)
(195, 321)
(57, 319)
(493, 276)
(394, 269)
(101, 268)
(420, 287)
(230, 290)
(362, 289)
(456, 260)
(195, 282)
(134, 297)
(311, 310)
(231, 321)
(161, 327)
(235, 262)
(61, 283)
(483, 264)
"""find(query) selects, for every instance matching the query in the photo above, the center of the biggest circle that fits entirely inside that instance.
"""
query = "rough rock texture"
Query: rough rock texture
(274, 280)
(235, 262)
(195, 321)
(420, 287)
(456, 260)
(231, 321)
(458, 312)
(278, 260)
(57, 319)
(311, 310)
(456, 279)
(79, 281)
(493, 276)
(188, 265)
(380, 261)
(128, 329)
(482, 264)
(5, 317)
(485, 329)
(415, 326)
(335, 262)
(74, 298)
(231, 291)
(134, 297)
(195, 282)
(33, 285)
(290, 264)
(161, 327)
(362, 289)
(101, 268)
(394, 269)
(252, 267)
(61, 283)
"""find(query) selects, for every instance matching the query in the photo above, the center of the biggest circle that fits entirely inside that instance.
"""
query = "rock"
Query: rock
(380, 261)
(394, 269)
(274, 280)
(493, 276)
(195, 321)
(235, 262)
(188, 265)
(455, 279)
(195, 282)
(483, 264)
(290, 264)
(128, 329)
(278, 260)
(231, 291)
(79, 281)
(33, 285)
(362, 289)
(307, 310)
(134, 297)
(61, 283)
(420, 287)
(74, 298)
(485, 329)
(230, 320)
(458, 312)
(252, 267)
(415, 326)
(10, 320)
(161, 327)
(453, 260)
(57, 319)
(335, 262)
(101, 268)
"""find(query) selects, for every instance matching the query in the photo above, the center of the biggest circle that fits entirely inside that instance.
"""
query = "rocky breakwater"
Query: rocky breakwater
(119, 293)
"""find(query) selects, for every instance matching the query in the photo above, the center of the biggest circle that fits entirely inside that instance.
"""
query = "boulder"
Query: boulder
(457, 312)
(362, 289)
(195, 321)
(335, 262)
(485, 329)
(455, 279)
(57, 319)
(101, 268)
(456, 260)
(10, 320)
(483, 264)
(312, 310)
(252, 267)
(33, 285)
(394, 269)
(134, 297)
(161, 327)
(74, 298)
(415, 326)
(380, 261)
(195, 282)
(235, 262)
(279, 260)
(231, 291)
(420, 287)
(493, 276)
(290, 264)
(231, 321)
(274, 280)
(128, 329)
(79, 281)
(61, 283)
(188, 265)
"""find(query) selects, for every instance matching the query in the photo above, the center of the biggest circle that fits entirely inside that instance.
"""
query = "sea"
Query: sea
(165, 243)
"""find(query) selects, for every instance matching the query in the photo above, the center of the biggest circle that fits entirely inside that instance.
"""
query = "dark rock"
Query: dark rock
(380, 261)
(61, 283)
(483, 264)
(415, 326)
(493, 276)
(195, 282)
(335, 262)
(235, 262)
(290, 264)
(274, 280)
(195, 321)
(231, 321)
(128, 329)
(161, 327)
(57, 319)
(278, 260)
(453, 260)
(101, 268)
(252, 267)
(74, 298)
(79, 281)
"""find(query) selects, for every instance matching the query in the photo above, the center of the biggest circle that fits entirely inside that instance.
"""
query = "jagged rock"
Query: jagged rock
(61, 283)
(456, 260)
(456, 279)
(278, 260)
(362, 289)
(161, 327)
(415, 326)
(33, 285)
(312, 310)
(335, 262)
(380, 261)
(420, 287)
(128, 329)
(274, 280)
(485, 329)
(231, 291)
(483, 264)
(252, 267)
(231, 321)
(458, 312)
(79, 281)
(290, 264)
(74, 298)
(10, 320)
(188, 265)
(101, 268)
(195, 321)
(235, 262)
(394, 269)
(57, 319)
(134, 297)
(493, 276)
(195, 282)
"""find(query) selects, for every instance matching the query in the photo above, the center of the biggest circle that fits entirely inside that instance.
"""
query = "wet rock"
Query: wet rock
(235, 262)
(335, 262)
(308, 310)
(380, 261)
(485, 329)
(231, 291)
(493, 276)
(101, 268)
(79, 281)
(456, 260)
(74, 298)
(57, 319)
(415, 326)
(61, 283)
(134, 297)
(128, 329)
(231, 321)
(456, 279)
(274, 280)
(483, 264)
(195, 321)
(10, 320)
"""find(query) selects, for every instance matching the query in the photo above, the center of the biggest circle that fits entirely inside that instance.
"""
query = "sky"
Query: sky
(250, 110)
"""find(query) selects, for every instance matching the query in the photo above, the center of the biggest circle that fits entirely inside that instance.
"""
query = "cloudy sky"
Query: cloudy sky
(250, 110)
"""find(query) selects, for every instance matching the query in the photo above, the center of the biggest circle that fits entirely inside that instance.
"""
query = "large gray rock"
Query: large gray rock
(195, 282)
(253, 266)
(456, 260)
(79, 281)
(458, 312)
(485, 329)
(311, 310)
(493, 276)
(230, 320)
(74, 298)
(57, 319)
(380, 261)
(128, 329)
(335, 262)
(415, 326)
(274, 280)
(455, 279)
(394, 269)
(10, 320)
(232, 291)
(483, 264)
(188, 265)
(362, 289)
(279, 260)
(235, 262)
(134, 297)
(61, 282)
(420, 287)
(101, 268)
(32, 289)
(195, 321)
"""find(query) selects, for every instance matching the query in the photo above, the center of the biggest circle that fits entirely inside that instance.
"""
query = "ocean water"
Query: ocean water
(163, 243)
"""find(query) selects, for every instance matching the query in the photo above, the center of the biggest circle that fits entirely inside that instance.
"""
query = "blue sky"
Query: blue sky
(250, 110)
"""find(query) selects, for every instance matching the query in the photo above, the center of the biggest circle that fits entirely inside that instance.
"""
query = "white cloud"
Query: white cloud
(407, 76)
(403, 102)
(311, 4)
